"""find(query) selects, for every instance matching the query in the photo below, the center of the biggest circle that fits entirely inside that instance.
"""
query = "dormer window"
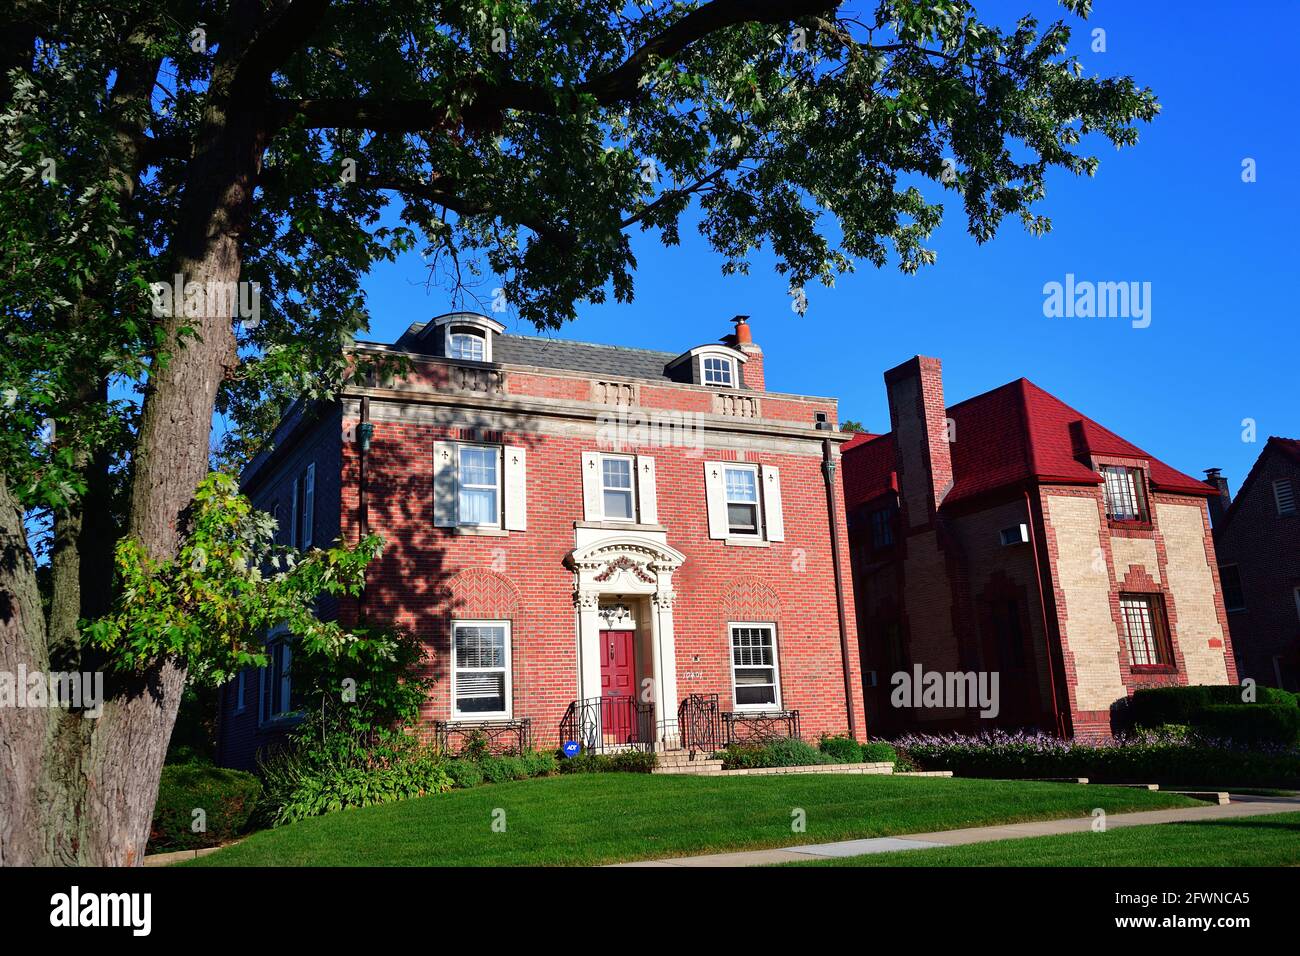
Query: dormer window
(463, 336)
(1126, 494)
(715, 366)
(466, 343)
(719, 371)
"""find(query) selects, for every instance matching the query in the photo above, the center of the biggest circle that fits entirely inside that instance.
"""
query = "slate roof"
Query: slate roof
(616, 361)
(1004, 437)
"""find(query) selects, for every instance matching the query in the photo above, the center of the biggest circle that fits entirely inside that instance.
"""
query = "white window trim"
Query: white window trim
(730, 365)
(506, 714)
(757, 533)
(776, 665)
(477, 334)
(500, 486)
(631, 464)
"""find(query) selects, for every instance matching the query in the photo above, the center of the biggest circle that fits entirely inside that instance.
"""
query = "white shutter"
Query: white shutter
(516, 487)
(646, 493)
(308, 505)
(444, 484)
(593, 510)
(293, 515)
(773, 514)
(715, 494)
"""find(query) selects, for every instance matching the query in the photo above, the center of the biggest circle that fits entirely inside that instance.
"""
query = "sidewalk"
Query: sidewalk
(1240, 806)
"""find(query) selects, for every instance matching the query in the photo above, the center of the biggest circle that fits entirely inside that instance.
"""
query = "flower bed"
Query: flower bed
(1136, 759)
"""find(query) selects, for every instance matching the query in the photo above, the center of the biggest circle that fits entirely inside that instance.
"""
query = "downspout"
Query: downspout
(828, 472)
(1042, 606)
(365, 430)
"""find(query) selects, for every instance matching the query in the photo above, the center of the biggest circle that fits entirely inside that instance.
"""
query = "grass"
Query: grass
(1272, 840)
(603, 818)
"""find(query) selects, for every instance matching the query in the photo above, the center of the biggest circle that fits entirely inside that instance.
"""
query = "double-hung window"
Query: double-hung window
(481, 669)
(276, 680)
(1126, 495)
(304, 509)
(718, 371)
(479, 486)
(1234, 596)
(1145, 630)
(755, 680)
(743, 516)
(618, 493)
(882, 528)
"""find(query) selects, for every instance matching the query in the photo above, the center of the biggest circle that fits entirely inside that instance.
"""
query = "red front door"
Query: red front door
(617, 684)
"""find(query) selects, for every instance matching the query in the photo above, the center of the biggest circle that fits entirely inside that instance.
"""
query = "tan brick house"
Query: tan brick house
(595, 542)
(1010, 534)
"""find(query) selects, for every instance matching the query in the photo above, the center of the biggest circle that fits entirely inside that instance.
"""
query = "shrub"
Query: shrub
(463, 773)
(842, 749)
(1123, 760)
(540, 763)
(629, 761)
(879, 751)
(339, 773)
(1250, 723)
(778, 753)
(226, 797)
(1155, 706)
(503, 769)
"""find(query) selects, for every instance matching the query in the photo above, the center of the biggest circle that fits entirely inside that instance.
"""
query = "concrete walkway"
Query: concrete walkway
(1239, 806)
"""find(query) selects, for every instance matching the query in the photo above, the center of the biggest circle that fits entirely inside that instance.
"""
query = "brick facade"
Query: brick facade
(1260, 545)
(1000, 564)
(430, 576)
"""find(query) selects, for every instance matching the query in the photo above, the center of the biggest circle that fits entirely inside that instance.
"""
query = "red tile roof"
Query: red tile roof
(1007, 436)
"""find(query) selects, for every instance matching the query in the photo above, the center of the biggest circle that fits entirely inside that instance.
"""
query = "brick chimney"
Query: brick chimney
(920, 422)
(743, 340)
(1219, 503)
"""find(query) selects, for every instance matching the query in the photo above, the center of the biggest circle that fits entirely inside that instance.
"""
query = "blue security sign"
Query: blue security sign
(572, 748)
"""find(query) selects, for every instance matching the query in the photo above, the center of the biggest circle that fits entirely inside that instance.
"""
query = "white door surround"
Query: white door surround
(634, 568)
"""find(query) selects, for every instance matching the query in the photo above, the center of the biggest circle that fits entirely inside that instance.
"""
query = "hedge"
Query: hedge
(629, 761)
(1250, 723)
(227, 799)
(1020, 756)
(1180, 705)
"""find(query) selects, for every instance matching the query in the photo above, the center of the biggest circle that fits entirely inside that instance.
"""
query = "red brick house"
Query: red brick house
(596, 543)
(1257, 536)
(1011, 535)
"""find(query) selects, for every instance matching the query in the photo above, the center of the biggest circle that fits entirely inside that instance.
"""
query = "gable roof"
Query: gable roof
(1288, 447)
(1011, 435)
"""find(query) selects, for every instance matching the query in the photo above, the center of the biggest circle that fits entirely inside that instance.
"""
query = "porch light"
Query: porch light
(365, 431)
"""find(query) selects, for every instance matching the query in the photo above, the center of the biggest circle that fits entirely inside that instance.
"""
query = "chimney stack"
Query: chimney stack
(920, 422)
(1219, 503)
(743, 340)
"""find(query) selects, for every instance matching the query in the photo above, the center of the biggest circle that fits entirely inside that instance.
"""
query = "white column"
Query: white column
(665, 659)
(589, 648)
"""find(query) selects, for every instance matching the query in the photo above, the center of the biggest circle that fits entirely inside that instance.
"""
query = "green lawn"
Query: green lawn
(602, 818)
(1272, 840)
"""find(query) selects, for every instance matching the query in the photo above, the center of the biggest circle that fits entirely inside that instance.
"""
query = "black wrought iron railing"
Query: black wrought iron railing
(699, 722)
(760, 727)
(491, 736)
(603, 724)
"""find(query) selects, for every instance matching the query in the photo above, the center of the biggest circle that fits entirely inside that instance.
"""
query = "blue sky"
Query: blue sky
(1220, 255)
